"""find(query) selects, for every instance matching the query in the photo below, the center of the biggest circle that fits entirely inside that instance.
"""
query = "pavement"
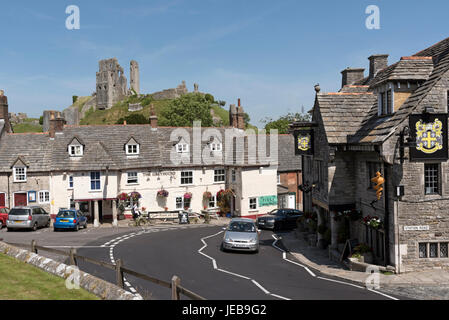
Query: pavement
(432, 284)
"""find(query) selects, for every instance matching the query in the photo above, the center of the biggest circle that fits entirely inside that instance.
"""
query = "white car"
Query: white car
(241, 235)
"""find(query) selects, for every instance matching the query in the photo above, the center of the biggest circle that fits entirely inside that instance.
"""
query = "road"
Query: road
(193, 254)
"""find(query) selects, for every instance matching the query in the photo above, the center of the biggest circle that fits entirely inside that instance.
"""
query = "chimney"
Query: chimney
(377, 62)
(4, 110)
(56, 124)
(233, 116)
(153, 118)
(351, 75)
(240, 117)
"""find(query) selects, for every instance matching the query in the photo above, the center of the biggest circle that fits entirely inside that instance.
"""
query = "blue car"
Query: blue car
(70, 219)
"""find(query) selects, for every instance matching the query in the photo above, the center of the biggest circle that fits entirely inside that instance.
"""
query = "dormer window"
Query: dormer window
(385, 103)
(215, 147)
(132, 149)
(75, 150)
(182, 147)
(20, 174)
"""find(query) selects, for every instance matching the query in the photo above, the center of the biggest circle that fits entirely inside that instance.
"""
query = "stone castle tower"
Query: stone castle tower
(134, 81)
(111, 83)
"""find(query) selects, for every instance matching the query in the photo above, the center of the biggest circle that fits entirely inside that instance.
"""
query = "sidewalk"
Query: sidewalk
(125, 223)
(318, 259)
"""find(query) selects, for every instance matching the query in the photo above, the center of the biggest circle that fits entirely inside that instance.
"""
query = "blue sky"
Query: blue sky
(268, 53)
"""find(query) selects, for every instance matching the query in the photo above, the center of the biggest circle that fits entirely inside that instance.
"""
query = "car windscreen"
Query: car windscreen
(241, 226)
(66, 214)
(19, 212)
(276, 213)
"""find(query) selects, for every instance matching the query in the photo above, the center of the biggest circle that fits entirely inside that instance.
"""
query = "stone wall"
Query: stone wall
(173, 93)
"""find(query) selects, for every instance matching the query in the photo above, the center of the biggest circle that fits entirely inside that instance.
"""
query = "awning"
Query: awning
(282, 190)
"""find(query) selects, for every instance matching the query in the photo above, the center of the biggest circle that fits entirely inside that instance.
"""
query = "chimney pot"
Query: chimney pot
(351, 75)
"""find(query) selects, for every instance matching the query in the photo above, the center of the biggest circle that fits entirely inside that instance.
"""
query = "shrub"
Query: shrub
(209, 97)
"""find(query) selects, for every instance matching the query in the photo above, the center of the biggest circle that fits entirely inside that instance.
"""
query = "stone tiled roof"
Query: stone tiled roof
(104, 147)
(343, 113)
(354, 89)
(344, 124)
(288, 161)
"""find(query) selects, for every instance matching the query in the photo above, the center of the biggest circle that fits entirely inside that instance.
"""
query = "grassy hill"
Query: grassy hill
(28, 125)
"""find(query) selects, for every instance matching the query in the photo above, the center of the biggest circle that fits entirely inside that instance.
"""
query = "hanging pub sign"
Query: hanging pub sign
(303, 141)
(428, 133)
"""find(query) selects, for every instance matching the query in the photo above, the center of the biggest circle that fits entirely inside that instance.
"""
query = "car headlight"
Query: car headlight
(228, 240)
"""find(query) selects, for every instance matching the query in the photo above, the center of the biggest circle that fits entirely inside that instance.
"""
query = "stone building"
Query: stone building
(111, 83)
(368, 127)
(87, 167)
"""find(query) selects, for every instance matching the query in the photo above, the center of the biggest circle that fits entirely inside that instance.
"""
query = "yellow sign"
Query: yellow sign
(429, 138)
(303, 143)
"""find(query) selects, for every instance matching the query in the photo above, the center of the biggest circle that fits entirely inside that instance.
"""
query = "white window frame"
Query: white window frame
(17, 175)
(220, 175)
(77, 150)
(132, 152)
(90, 180)
(43, 196)
(233, 175)
(186, 184)
(216, 147)
(249, 204)
(182, 148)
(68, 181)
(212, 201)
(136, 177)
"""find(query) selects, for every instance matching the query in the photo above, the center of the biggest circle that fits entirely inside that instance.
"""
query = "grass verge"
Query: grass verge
(21, 281)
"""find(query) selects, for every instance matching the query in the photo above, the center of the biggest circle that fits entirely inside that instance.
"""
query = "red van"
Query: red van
(3, 216)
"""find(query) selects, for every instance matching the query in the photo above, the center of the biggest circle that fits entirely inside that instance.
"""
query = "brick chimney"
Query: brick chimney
(153, 118)
(56, 124)
(4, 114)
(377, 62)
(351, 75)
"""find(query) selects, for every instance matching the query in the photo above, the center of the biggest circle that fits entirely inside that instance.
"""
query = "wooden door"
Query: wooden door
(20, 199)
(2, 200)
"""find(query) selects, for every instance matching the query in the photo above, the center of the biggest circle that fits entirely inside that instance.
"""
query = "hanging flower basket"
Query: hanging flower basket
(162, 193)
(135, 195)
(224, 194)
(207, 195)
(123, 196)
(188, 195)
(373, 222)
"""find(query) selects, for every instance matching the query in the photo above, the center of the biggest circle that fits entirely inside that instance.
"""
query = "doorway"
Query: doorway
(20, 199)
(2, 199)
(100, 211)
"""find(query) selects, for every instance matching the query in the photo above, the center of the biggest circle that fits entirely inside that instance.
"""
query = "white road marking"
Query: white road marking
(214, 264)
(284, 255)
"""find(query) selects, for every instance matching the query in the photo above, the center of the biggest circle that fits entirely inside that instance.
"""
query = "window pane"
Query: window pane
(431, 182)
(443, 250)
(423, 250)
(433, 252)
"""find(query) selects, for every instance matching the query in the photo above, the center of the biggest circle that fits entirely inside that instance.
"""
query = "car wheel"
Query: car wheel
(1, 224)
(48, 224)
(8, 230)
(85, 225)
(222, 248)
(77, 227)
(55, 229)
(34, 227)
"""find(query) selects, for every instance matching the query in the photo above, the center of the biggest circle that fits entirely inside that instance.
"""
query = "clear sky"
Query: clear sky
(268, 53)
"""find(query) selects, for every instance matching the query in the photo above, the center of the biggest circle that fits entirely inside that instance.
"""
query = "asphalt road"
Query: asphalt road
(236, 276)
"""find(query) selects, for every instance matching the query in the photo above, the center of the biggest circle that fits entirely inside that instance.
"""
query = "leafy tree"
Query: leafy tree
(74, 99)
(283, 122)
(135, 118)
(209, 97)
(181, 112)
(41, 120)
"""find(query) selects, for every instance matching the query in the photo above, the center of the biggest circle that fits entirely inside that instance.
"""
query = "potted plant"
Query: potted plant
(207, 195)
(365, 252)
(135, 195)
(188, 195)
(162, 193)
(166, 208)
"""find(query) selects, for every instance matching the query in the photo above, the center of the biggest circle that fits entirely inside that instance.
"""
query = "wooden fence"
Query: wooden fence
(120, 270)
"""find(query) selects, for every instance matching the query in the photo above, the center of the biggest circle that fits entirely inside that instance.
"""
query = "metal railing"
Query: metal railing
(120, 270)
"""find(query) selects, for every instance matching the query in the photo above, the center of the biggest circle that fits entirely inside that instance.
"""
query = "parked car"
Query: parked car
(32, 217)
(279, 219)
(70, 219)
(241, 235)
(3, 216)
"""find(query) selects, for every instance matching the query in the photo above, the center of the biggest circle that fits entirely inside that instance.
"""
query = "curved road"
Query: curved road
(194, 255)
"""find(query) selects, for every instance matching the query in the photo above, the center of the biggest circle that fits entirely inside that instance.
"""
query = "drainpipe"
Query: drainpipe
(9, 192)
(387, 215)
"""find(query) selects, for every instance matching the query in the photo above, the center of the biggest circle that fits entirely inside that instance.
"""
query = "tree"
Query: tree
(283, 122)
(209, 97)
(41, 120)
(135, 118)
(181, 112)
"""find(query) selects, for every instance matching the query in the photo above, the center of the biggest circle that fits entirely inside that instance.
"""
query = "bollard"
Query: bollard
(119, 273)
(33, 246)
(72, 257)
(175, 282)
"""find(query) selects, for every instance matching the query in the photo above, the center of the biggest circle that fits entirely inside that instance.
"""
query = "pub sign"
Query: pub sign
(428, 133)
(304, 143)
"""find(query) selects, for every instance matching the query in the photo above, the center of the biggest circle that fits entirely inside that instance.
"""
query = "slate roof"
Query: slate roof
(104, 146)
(342, 122)
(288, 161)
